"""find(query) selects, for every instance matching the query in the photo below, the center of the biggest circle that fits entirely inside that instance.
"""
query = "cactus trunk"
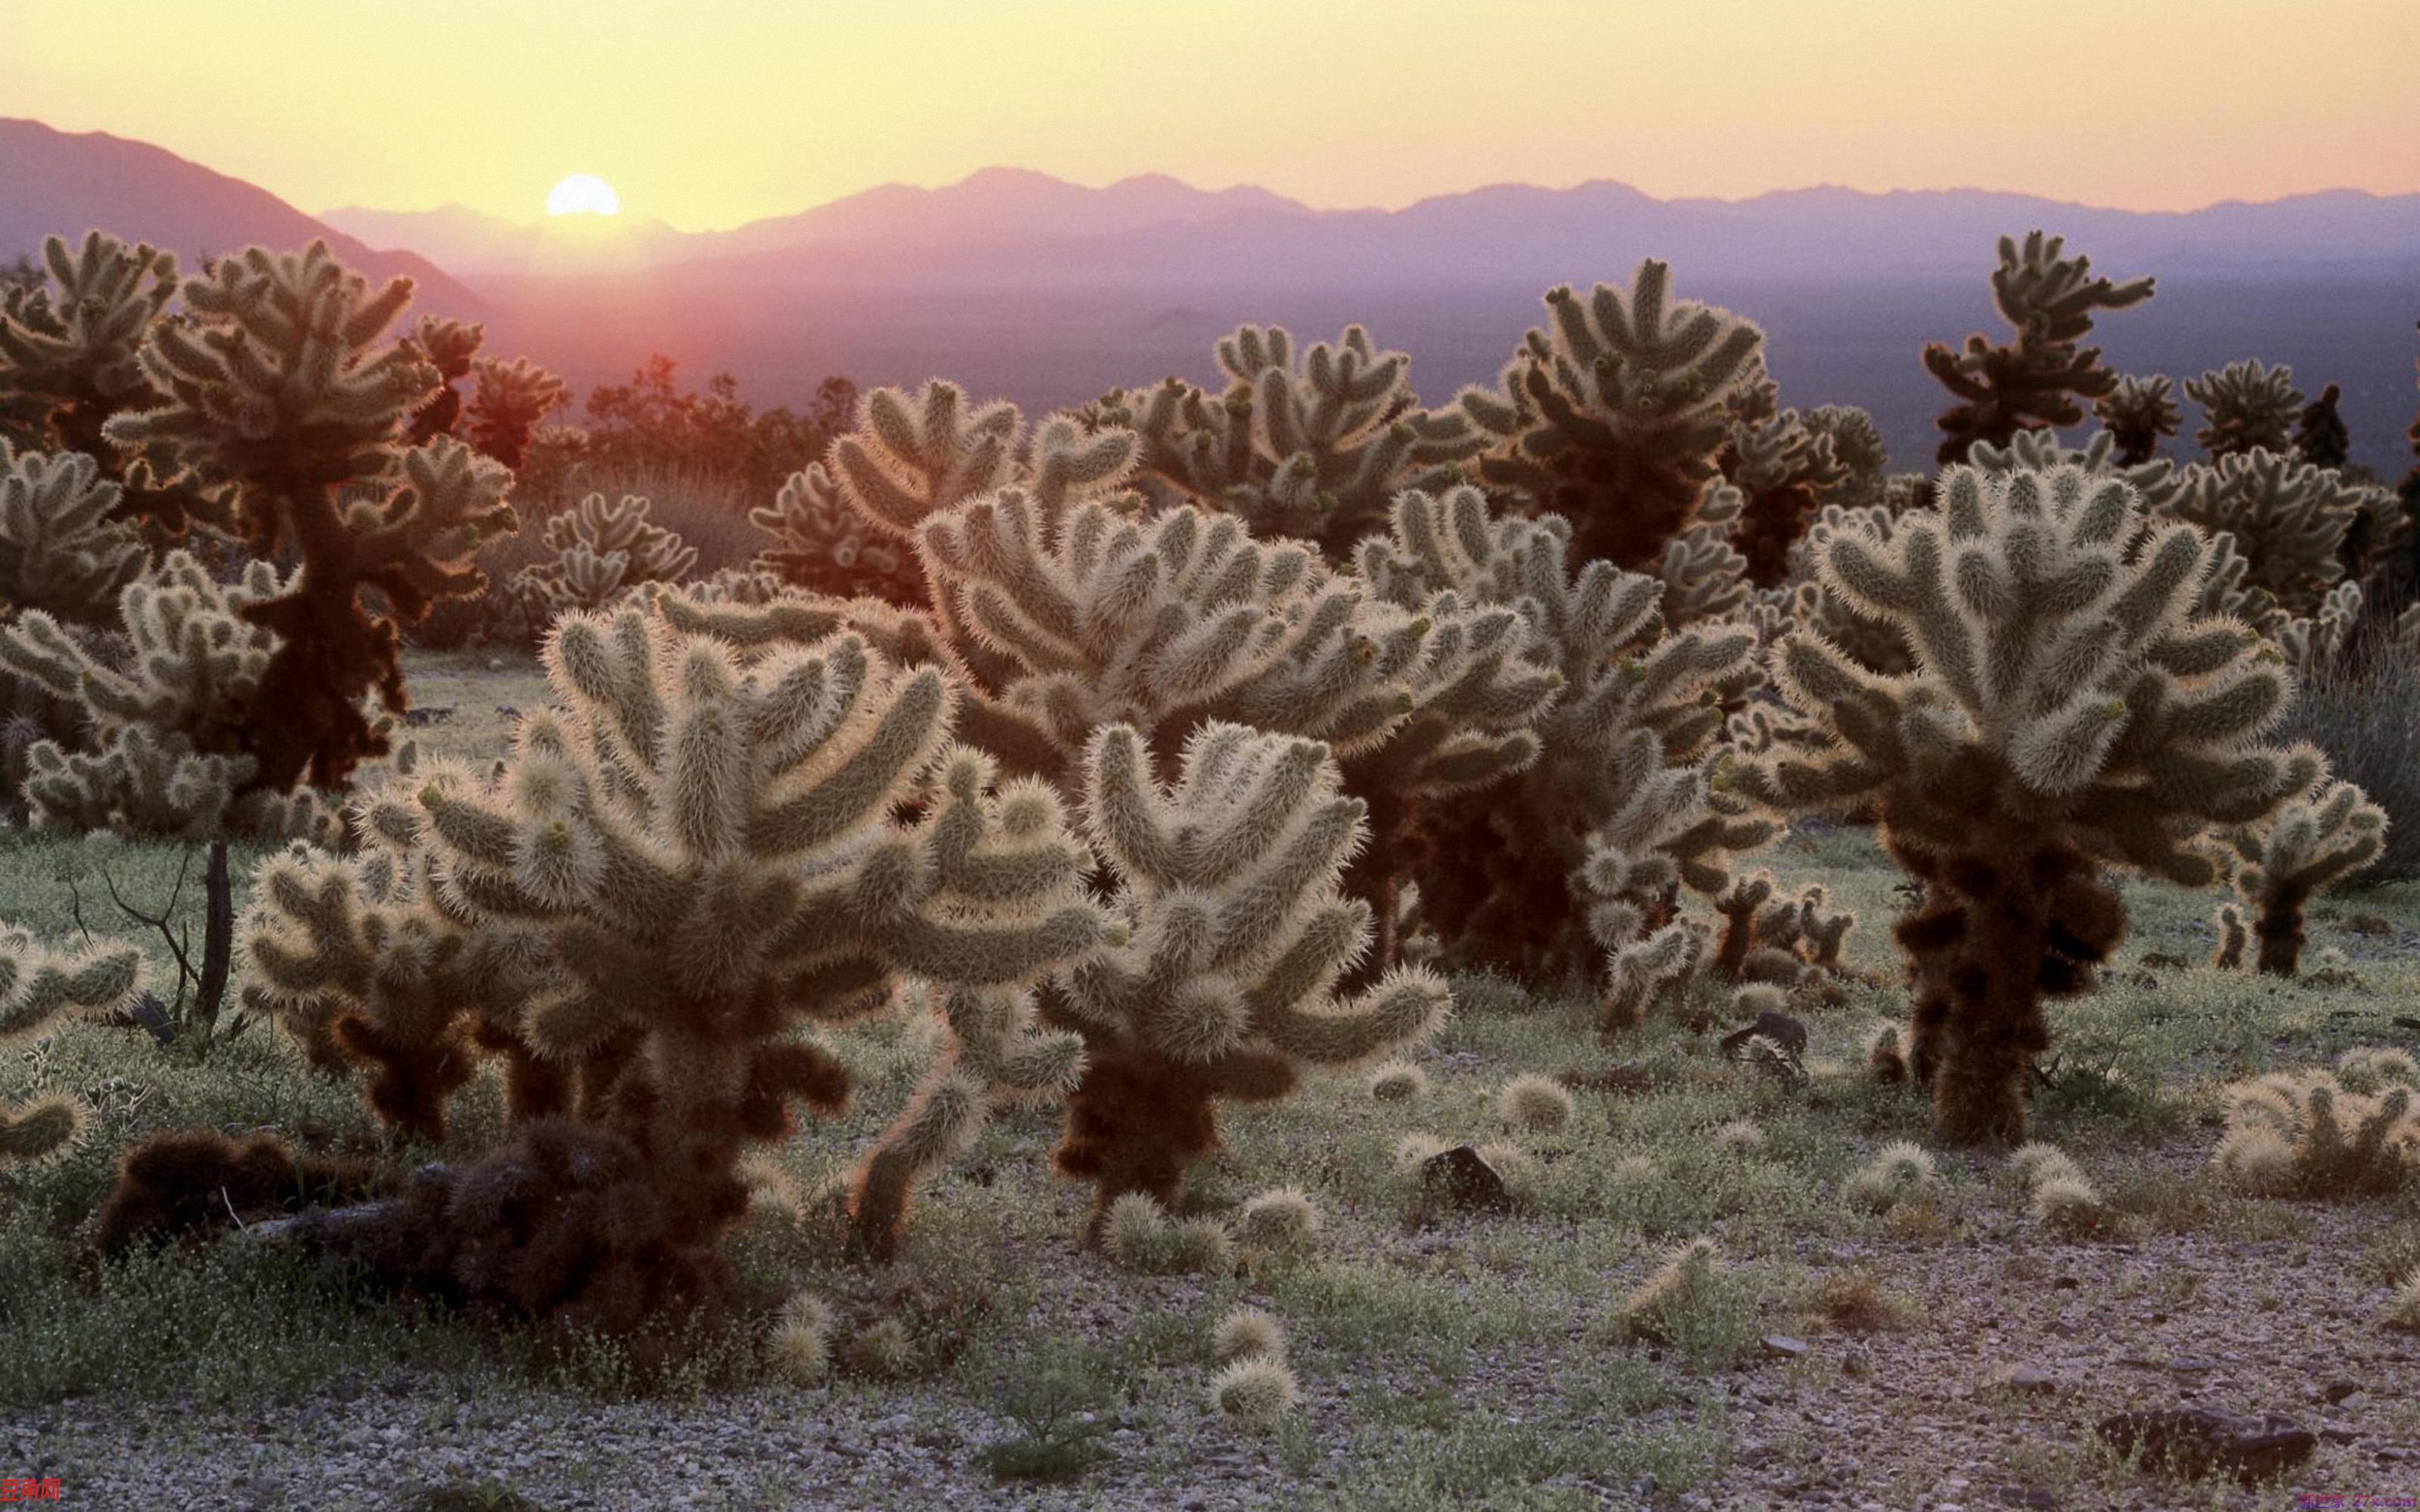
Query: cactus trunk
(2280, 928)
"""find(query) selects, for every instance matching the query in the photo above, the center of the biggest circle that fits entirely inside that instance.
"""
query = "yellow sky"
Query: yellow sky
(708, 113)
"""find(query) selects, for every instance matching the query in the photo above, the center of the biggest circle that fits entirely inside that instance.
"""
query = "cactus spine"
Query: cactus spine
(2068, 712)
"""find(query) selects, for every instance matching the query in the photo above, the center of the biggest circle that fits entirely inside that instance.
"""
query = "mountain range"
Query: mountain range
(1029, 287)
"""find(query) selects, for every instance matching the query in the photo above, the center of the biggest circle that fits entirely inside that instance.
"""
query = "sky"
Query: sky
(711, 113)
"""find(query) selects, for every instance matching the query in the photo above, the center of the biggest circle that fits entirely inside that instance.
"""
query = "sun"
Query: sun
(583, 193)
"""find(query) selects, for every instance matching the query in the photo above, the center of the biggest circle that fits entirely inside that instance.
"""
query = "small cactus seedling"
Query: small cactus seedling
(1247, 1332)
(1533, 1104)
(1281, 1218)
(2323, 837)
(1658, 1311)
(1900, 1172)
(1255, 1392)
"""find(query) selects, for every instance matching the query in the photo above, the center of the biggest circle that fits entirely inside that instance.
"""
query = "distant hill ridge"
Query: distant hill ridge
(67, 183)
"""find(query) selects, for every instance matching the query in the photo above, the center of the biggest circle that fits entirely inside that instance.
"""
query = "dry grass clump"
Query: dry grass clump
(1739, 1138)
(1245, 1332)
(1139, 1236)
(1533, 1103)
(1255, 1390)
(2306, 1133)
(1398, 1081)
(1283, 1217)
(2403, 1313)
(1854, 1302)
(801, 1341)
(1900, 1172)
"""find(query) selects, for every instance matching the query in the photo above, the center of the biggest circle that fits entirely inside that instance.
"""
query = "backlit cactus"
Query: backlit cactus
(40, 990)
(824, 546)
(60, 550)
(2320, 839)
(506, 406)
(2067, 712)
(1614, 415)
(2034, 382)
(2138, 412)
(280, 406)
(601, 549)
(2246, 407)
(1231, 936)
(69, 357)
(2304, 1133)
(688, 863)
(2289, 519)
(1312, 443)
(170, 751)
(1614, 809)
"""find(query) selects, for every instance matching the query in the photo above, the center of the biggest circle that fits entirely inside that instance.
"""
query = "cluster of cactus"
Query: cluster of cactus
(2316, 841)
(2287, 518)
(62, 549)
(1787, 472)
(694, 857)
(278, 405)
(827, 547)
(171, 744)
(1253, 1388)
(2032, 382)
(1575, 853)
(2310, 1133)
(601, 551)
(1770, 937)
(2068, 712)
(70, 360)
(1311, 444)
(41, 989)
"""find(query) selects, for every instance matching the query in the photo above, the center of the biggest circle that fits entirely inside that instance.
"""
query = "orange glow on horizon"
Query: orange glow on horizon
(717, 112)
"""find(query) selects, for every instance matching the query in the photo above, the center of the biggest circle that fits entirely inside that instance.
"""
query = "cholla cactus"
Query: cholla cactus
(2067, 712)
(1643, 974)
(69, 357)
(1857, 447)
(40, 990)
(601, 550)
(825, 546)
(1615, 807)
(2320, 839)
(996, 1054)
(507, 406)
(449, 347)
(2246, 407)
(912, 457)
(1313, 444)
(2034, 382)
(2320, 435)
(687, 862)
(171, 750)
(1233, 934)
(2138, 413)
(281, 408)
(1772, 938)
(2289, 519)
(2302, 1133)
(1615, 414)
(2234, 937)
(60, 551)
(1786, 472)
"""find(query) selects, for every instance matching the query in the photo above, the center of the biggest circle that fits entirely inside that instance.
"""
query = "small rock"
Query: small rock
(1783, 1030)
(1625, 1080)
(2024, 1380)
(2337, 1391)
(2194, 1441)
(2187, 1365)
(1463, 1177)
(2340, 1436)
(2032, 1496)
(1783, 1347)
